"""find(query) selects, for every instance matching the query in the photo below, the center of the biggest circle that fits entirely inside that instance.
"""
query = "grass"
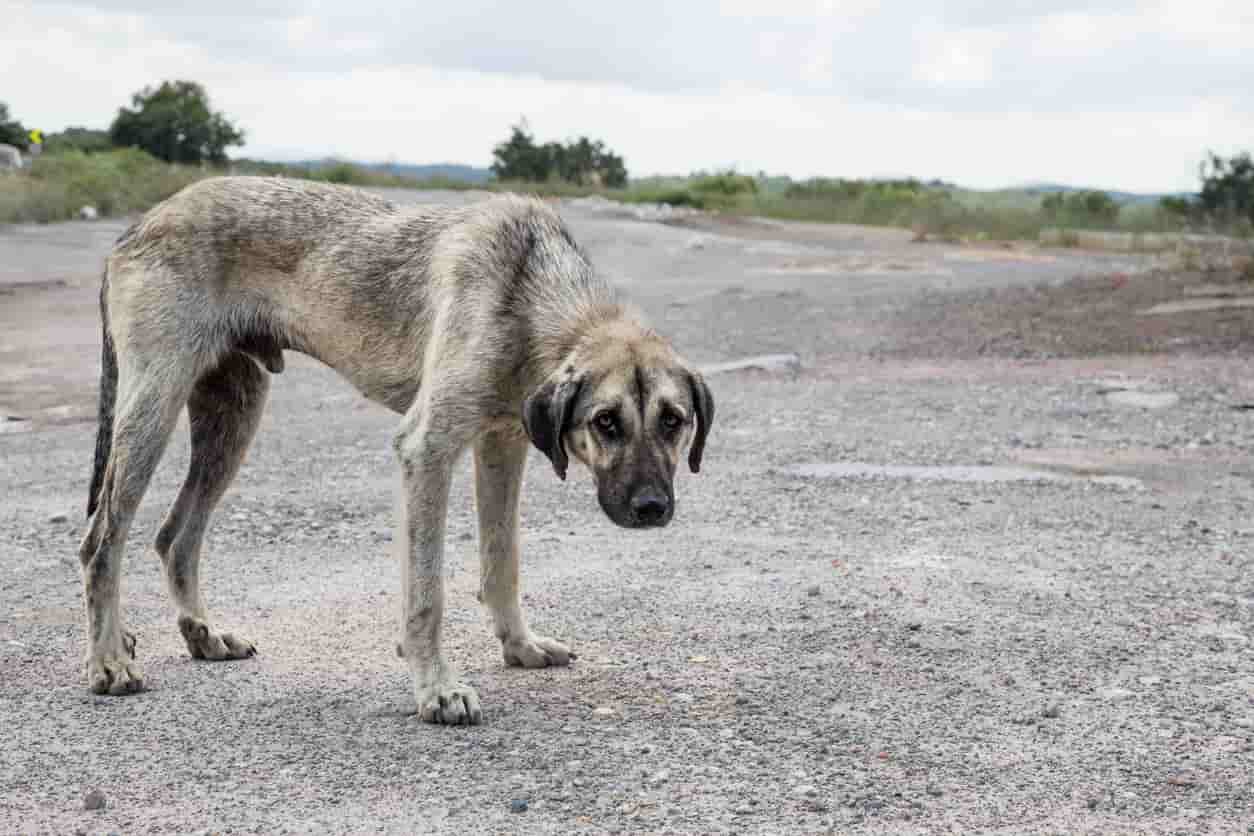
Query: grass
(115, 182)
(123, 181)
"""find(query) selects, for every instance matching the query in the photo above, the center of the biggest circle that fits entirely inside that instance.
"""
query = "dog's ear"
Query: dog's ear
(703, 404)
(546, 416)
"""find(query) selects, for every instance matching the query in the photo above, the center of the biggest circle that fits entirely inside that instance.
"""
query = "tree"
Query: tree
(175, 123)
(519, 158)
(11, 130)
(1228, 186)
(584, 162)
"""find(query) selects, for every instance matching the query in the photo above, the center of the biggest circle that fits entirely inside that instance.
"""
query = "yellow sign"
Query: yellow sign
(36, 137)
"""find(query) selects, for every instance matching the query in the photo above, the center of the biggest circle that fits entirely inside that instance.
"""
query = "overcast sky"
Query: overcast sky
(1111, 93)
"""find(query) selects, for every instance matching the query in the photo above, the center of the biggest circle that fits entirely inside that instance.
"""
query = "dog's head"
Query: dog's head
(626, 406)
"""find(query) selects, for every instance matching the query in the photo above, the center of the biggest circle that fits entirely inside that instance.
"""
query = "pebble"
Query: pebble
(94, 800)
(518, 805)
(743, 810)
(682, 697)
(1115, 694)
(1052, 711)
(935, 791)
(814, 591)
(58, 518)
(603, 711)
(807, 790)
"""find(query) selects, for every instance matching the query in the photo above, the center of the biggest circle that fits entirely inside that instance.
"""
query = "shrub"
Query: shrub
(115, 182)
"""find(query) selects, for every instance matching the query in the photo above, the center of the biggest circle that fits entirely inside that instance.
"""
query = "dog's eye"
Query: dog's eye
(671, 421)
(606, 423)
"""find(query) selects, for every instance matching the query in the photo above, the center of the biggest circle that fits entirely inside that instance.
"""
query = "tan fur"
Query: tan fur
(481, 325)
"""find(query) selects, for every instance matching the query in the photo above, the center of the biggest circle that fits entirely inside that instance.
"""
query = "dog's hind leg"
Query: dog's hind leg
(149, 401)
(224, 410)
(499, 461)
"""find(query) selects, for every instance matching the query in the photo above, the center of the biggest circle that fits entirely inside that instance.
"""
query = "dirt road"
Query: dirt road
(986, 564)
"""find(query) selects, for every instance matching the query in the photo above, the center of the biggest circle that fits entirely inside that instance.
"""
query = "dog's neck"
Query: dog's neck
(589, 324)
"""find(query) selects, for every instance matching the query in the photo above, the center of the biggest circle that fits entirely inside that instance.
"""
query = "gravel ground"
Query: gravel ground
(983, 565)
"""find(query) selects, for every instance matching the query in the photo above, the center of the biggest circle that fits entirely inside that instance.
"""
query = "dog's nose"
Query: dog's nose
(649, 507)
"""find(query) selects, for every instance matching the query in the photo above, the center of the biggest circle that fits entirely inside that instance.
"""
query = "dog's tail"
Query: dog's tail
(108, 395)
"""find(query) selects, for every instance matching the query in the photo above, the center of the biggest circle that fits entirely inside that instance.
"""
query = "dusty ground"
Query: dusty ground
(1045, 626)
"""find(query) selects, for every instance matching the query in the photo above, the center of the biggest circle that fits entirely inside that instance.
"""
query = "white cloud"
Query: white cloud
(1126, 95)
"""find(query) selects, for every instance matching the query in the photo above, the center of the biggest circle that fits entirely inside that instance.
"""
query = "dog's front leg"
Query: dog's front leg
(427, 457)
(499, 461)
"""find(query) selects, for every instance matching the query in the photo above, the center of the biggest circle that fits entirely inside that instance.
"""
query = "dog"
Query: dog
(485, 326)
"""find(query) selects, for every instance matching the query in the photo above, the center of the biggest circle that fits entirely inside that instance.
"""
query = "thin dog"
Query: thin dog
(485, 326)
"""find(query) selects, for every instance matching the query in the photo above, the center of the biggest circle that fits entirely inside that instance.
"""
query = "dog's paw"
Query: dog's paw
(536, 651)
(204, 643)
(449, 702)
(116, 672)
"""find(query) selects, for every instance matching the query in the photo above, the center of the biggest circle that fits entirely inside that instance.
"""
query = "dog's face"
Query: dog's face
(626, 409)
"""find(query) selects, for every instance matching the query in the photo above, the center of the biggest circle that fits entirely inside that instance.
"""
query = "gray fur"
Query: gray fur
(452, 317)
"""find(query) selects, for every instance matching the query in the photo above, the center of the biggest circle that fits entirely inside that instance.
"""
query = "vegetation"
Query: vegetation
(1228, 186)
(170, 137)
(11, 130)
(174, 122)
(1226, 200)
(77, 139)
(582, 162)
(114, 182)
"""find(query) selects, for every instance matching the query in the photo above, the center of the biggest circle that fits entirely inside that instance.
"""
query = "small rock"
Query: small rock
(1052, 711)
(58, 518)
(1093, 803)
(743, 810)
(660, 778)
(814, 591)
(682, 697)
(603, 711)
(785, 363)
(88, 213)
(808, 790)
(94, 800)
(518, 805)
(1115, 694)
(934, 791)
(1144, 400)
(914, 626)
(1181, 779)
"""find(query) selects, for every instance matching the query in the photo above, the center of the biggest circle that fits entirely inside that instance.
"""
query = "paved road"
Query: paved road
(919, 587)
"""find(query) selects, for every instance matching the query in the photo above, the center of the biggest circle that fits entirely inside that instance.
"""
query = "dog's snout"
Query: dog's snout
(650, 507)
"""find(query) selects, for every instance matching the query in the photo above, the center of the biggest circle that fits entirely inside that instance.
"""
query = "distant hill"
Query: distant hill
(1119, 197)
(447, 171)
